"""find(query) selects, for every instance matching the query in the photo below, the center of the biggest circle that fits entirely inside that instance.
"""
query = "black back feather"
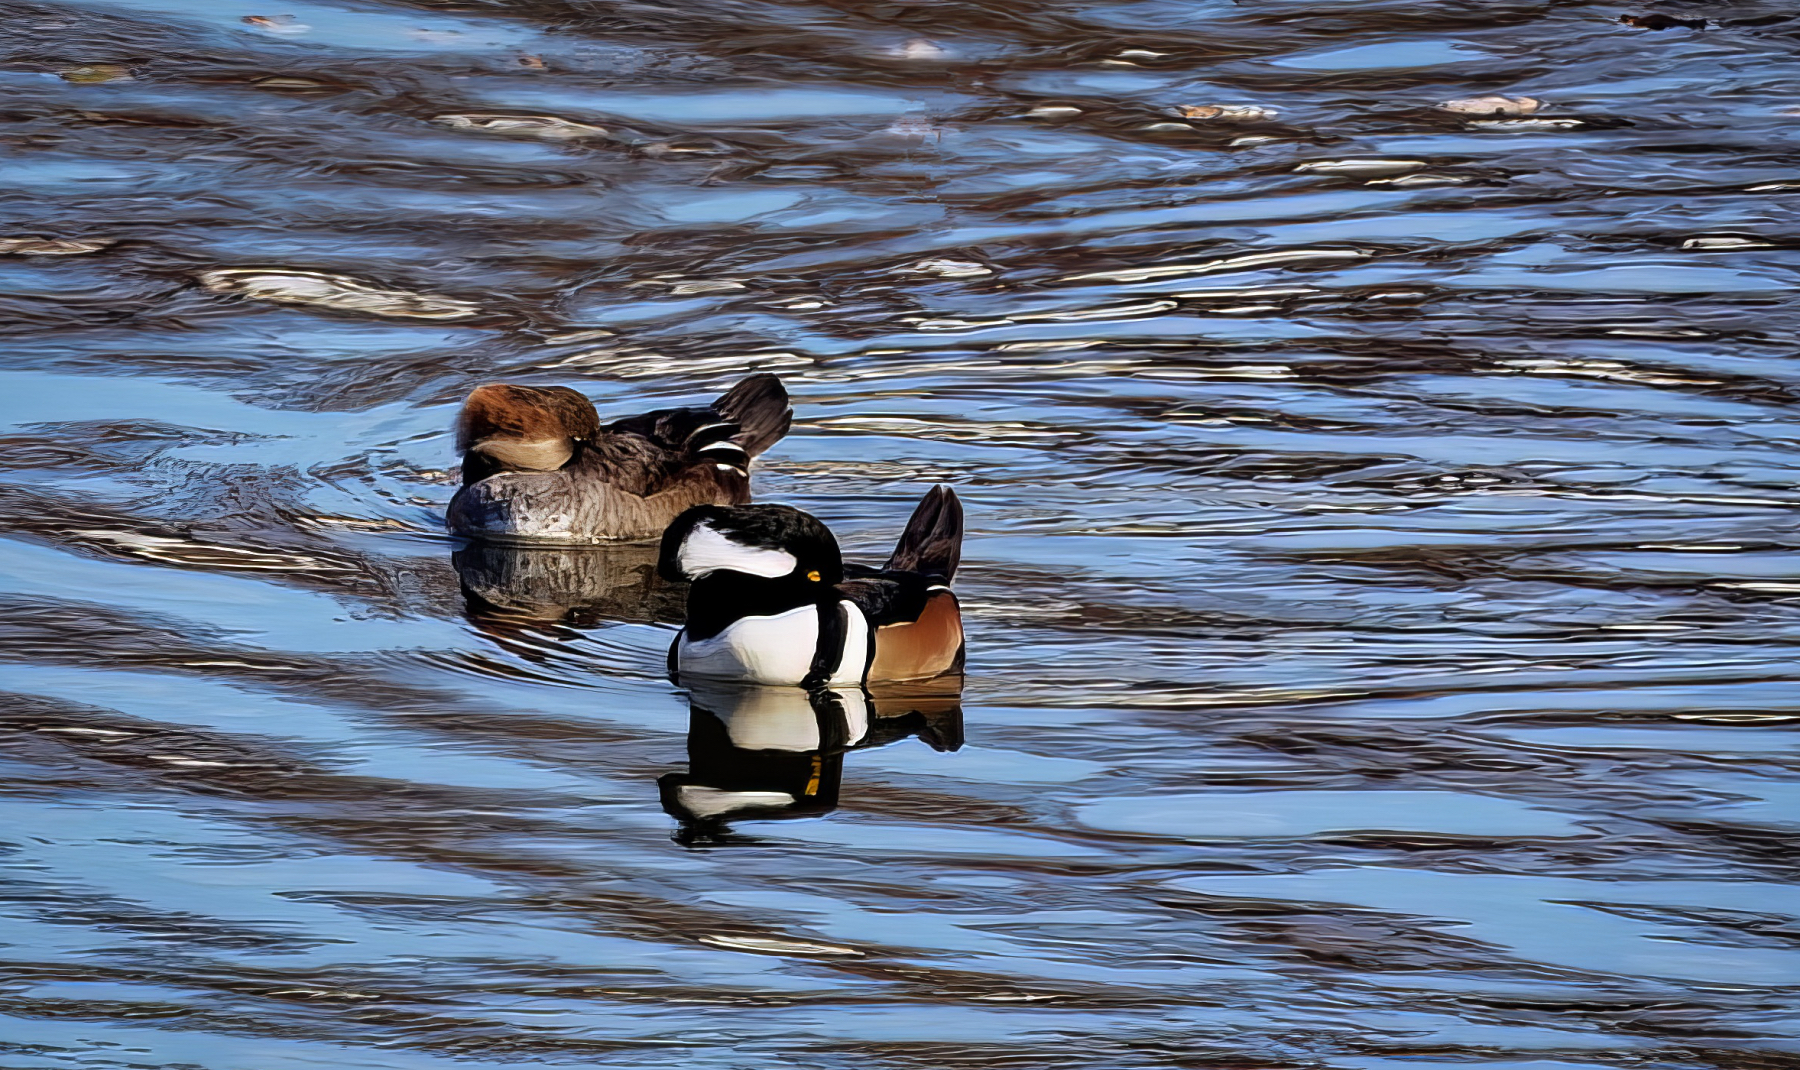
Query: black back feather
(759, 407)
(754, 415)
(932, 542)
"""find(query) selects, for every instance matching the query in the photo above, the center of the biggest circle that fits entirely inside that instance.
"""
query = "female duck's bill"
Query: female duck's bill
(773, 603)
(537, 463)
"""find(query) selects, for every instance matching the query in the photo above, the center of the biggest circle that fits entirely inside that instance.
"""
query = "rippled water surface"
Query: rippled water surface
(1384, 620)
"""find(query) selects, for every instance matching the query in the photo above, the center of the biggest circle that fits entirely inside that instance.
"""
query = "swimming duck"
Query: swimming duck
(538, 465)
(773, 603)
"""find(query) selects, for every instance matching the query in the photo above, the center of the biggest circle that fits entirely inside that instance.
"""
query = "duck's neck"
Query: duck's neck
(718, 599)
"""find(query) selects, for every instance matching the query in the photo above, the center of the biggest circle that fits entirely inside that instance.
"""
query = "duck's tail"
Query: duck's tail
(932, 542)
(759, 407)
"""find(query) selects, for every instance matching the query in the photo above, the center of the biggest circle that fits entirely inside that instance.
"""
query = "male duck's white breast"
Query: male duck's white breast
(776, 649)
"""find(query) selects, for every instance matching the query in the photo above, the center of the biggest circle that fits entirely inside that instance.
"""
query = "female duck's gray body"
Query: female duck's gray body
(538, 466)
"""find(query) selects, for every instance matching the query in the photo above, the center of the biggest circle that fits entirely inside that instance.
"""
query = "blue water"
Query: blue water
(1383, 629)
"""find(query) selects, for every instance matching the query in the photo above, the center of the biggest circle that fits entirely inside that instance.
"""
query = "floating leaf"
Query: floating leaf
(337, 292)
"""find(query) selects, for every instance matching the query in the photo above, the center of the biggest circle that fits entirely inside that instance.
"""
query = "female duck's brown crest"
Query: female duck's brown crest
(533, 428)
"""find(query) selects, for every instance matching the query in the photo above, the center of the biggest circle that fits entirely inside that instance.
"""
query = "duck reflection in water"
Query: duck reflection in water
(757, 753)
(514, 594)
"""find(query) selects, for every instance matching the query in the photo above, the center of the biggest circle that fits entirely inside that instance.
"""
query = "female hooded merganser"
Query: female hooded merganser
(538, 465)
(773, 603)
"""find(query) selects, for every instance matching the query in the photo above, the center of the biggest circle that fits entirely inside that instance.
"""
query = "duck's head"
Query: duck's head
(775, 542)
(522, 428)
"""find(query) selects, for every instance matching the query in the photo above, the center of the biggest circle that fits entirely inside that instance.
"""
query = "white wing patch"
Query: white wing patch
(706, 550)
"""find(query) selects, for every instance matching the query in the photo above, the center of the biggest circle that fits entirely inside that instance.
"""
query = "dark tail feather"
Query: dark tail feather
(932, 541)
(759, 406)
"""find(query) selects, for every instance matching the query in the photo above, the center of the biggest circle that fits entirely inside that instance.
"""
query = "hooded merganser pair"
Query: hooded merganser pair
(538, 465)
(772, 601)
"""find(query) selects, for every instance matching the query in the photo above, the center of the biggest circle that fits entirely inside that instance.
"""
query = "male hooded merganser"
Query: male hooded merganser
(773, 603)
(537, 464)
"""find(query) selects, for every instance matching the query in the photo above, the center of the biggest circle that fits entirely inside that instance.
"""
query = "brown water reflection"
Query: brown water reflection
(1381, 596)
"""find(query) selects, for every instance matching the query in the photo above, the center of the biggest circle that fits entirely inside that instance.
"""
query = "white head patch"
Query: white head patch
(706, 550)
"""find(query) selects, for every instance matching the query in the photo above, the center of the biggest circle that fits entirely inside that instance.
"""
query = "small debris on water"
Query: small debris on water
(49, 246)
(338, 292)
(1494, 106)
(1226, 113)
(545, 126)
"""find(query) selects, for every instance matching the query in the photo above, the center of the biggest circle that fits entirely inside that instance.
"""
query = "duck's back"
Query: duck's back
(618, 486)
(627, 480)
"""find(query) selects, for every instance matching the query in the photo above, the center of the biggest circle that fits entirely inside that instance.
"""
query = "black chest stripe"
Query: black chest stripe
(833, 630)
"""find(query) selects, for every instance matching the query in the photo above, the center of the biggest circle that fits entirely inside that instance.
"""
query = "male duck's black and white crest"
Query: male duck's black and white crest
(770, 541)
(539, 465)
(773, 603)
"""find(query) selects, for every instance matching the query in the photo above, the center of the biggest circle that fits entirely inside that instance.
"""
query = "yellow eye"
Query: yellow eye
(813, 575)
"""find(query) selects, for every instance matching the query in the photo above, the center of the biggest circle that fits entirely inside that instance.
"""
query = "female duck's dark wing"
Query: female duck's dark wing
(739, 425)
